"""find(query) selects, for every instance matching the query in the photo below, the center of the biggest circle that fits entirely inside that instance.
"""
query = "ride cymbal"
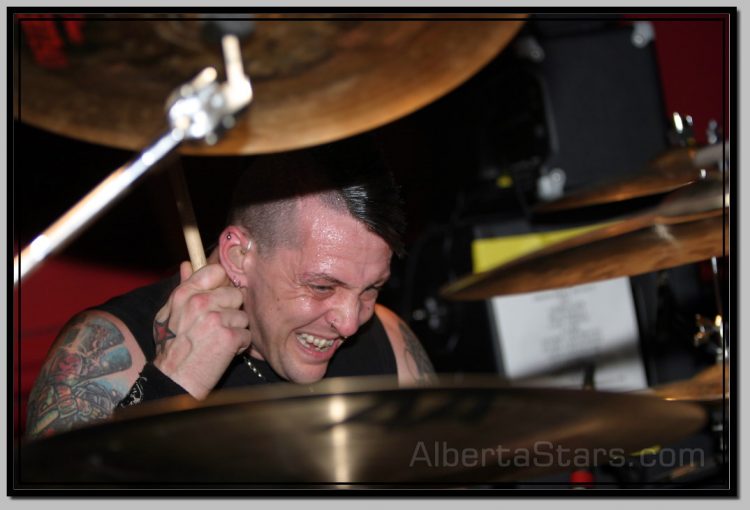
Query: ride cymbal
(360, 430)
(316, 78)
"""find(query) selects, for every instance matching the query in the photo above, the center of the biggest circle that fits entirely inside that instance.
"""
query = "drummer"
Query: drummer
(289, 294)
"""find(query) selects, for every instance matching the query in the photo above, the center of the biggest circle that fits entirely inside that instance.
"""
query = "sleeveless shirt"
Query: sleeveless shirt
(367, 352)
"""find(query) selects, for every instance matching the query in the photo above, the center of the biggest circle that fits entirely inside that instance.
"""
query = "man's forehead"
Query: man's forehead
(321, 226)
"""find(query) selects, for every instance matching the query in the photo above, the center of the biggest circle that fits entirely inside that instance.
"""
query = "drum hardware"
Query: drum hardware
(710, 336)
(550, 184)
(717, 420)
(682, 133)
(643, 34)
(583, 477)
(713, 132)
(687, 226)
(359, 430)
(711, 333)
(434, 313)
(218, 25)
(197, 110)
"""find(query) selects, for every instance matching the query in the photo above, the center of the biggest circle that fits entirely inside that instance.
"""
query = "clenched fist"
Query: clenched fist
(200, 329)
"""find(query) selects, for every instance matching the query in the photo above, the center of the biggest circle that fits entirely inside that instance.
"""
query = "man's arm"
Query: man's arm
(90, 367)
(414, 367)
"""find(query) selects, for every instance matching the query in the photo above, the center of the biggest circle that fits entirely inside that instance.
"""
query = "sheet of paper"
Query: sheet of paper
(623, 373)
(556, 332)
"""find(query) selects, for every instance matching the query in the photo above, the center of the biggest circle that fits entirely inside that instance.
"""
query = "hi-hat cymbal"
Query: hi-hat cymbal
(316, 79)
(360, 430)
(669, 171)
(709, 386)
(689, 225)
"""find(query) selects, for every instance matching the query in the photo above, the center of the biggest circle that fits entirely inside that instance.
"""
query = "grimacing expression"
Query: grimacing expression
(304, 300)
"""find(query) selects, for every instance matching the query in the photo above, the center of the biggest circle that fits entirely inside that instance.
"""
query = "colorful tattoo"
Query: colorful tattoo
(422, 367)
(71, 389)
(162, 334)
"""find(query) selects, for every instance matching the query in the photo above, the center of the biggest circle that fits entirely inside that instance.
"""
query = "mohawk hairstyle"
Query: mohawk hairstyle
(347, 175)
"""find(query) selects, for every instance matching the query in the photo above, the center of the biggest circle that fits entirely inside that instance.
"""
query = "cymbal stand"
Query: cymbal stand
(711, 332)
(200, 109)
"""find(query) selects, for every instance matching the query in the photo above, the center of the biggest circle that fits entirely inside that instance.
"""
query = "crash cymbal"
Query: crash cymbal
(688, 226)
(669, 171)
(360, 430)
(709, 386)
(316, 79)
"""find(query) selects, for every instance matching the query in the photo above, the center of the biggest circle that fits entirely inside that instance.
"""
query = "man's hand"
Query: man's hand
(200, 329)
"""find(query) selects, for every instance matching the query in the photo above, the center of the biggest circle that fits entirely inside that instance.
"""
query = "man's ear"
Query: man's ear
(234, 246)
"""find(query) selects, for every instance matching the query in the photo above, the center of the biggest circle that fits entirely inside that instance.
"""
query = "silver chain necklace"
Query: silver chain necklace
(253, 367)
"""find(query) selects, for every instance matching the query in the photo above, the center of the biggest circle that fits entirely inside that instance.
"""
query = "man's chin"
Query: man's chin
(306, 377)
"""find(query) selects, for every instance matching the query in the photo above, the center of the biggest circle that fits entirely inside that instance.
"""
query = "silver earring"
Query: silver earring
(236, 282)
(229, 236)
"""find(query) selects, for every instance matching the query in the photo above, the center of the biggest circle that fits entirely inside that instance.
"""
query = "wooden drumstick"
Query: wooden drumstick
(187, 217)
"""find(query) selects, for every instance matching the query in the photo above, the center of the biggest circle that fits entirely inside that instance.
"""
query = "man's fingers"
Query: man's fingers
(216, 300)
(235, 319)
(186, 270)
(197, 288)
(208, 277)
(244, 339)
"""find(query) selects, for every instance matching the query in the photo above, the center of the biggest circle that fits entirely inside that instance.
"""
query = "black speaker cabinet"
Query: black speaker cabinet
(588, 102)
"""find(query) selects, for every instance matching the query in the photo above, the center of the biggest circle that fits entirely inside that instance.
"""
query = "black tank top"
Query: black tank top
(368, 352)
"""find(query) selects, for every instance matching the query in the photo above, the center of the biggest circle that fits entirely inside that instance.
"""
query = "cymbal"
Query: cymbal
(669, 171)
(709, 386)
(688, 226)
(316, 78)
(358, 430)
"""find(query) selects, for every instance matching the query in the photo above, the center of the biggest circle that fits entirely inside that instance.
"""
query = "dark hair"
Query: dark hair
(347, 175)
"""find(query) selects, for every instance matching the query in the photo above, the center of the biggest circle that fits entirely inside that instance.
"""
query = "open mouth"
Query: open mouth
(314, 342)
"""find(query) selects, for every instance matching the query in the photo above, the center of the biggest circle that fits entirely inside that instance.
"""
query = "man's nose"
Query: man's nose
(344, 316)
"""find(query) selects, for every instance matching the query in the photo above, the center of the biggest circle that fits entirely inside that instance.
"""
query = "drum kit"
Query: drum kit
(316, 80)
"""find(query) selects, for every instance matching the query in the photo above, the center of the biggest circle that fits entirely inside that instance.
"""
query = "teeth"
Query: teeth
(321, 344)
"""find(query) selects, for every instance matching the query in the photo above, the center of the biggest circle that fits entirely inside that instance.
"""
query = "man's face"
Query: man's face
(303, 300)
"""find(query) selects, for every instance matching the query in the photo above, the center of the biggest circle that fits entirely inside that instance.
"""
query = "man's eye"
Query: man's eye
(321, 289)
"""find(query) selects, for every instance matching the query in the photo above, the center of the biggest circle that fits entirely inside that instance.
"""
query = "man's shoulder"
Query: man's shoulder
(388, 318)
(89, 368)
(413, 364)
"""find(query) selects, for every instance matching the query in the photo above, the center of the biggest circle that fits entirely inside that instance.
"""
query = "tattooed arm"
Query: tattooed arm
(414, 367)
(89, 369)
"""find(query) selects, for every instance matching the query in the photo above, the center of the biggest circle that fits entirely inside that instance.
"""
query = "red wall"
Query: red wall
(693, 63)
